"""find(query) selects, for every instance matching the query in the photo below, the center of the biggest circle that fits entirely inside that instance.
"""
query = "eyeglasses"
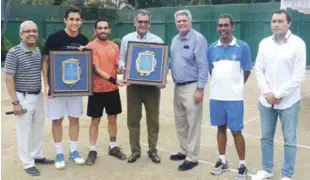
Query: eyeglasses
(143, 22)
(223, 25)
(30, 31)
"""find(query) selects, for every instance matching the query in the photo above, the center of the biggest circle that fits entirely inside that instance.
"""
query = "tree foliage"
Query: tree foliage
(36, 2)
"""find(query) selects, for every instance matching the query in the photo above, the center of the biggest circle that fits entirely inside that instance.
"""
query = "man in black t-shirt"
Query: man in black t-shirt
(57, 107)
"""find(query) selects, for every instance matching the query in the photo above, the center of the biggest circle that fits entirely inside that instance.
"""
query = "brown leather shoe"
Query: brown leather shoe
(154, 157)
(133, 157)
(117, 152)
(91, 158)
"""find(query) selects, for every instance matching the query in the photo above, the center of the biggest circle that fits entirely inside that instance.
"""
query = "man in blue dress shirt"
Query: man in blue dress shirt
(189, 72)
(230, 65)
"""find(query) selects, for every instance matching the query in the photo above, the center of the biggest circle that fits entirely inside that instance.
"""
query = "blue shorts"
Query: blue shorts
(228, 113)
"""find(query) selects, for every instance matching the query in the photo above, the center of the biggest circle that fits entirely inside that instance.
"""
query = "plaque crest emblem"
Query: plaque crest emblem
(146, 63)
(71, 72)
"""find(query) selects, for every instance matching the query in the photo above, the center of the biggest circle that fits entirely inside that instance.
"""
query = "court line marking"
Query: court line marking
(245, 134)
(201, 161)
(305, 95)
(258, 137)
(251, 120)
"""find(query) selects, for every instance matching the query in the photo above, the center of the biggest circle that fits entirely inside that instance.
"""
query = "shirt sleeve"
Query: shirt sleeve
(85, 41)
(47, 46)
(200, 52)
(299, 70)
(123, 52)
(246, 61)
(209, 58)
(117, 54)
(260, 68)
(11, 62)
(95, 58)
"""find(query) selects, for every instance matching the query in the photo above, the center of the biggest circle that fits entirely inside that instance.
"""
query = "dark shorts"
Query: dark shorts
(110, 101)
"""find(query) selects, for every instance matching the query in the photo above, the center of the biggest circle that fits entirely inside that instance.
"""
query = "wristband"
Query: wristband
(200, 89)
(15, 102)
(112, 80)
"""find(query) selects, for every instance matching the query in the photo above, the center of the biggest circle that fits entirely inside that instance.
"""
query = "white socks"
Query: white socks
(73, 146)
(223, 159)
(113, 144)
(92, 148)
(58, 147)
(241, 162)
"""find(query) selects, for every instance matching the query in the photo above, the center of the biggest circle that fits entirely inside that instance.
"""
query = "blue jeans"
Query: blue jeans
(289, 121)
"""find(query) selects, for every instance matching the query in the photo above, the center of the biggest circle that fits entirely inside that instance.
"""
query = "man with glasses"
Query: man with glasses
(230, 64)
(141, 94)
(23, 66)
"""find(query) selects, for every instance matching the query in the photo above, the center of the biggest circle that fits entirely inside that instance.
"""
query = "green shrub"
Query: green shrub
(40, 44)
(6, 45)
(90, 35)
(117, 41)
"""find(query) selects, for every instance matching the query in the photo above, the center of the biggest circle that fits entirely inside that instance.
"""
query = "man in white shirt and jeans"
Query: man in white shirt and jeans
(280, 68)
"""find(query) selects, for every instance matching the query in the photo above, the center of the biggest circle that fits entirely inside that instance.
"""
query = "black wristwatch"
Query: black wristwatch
(200, 89)
(15, 102)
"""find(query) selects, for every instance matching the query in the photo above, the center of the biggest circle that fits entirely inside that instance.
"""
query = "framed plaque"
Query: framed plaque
(71, 73)
(147, 63)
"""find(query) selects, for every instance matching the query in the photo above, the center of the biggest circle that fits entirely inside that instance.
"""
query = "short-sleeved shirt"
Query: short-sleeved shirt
(105, 55)
(227, 64)
(60, 40)
(26, 67)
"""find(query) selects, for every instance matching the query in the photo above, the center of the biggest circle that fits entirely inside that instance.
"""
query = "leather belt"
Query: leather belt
(185, 83)
(29, 92)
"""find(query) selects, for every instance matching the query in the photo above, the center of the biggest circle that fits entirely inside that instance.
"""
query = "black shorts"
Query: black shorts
(110, 101)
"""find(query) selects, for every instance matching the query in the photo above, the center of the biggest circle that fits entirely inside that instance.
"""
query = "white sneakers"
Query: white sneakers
(262, 175)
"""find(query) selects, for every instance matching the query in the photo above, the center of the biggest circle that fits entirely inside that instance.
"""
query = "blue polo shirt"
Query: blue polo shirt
(227, 64)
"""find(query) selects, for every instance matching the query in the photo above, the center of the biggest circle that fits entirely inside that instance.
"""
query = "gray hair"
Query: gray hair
(23, 24)
(183, 12)
(143, 13)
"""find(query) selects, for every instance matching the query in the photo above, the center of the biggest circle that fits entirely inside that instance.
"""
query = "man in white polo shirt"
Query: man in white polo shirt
(230, 65)
(280, 69)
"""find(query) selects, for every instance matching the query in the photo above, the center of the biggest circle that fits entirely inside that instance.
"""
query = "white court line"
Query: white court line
(245, 134)
(305, 95)
(258, 137)
(251, 120)
(201, 161)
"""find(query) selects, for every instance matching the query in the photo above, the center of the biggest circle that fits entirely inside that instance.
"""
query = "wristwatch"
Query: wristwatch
(15, 102)
(200, 89)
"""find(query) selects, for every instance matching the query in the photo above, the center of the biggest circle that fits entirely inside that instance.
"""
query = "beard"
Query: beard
(103, 38)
